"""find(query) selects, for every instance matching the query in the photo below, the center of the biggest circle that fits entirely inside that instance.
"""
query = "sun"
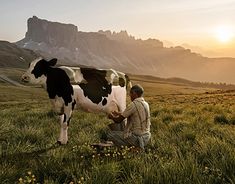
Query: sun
(224, 34)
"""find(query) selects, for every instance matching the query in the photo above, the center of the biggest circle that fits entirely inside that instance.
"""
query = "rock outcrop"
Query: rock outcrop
(51, 33)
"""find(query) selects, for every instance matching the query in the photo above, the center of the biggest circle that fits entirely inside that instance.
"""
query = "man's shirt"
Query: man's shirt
(138, 116)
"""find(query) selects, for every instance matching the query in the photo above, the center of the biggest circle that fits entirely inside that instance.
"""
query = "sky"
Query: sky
(207, 26)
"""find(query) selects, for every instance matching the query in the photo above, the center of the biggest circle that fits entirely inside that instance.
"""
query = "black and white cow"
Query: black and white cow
(94, 90)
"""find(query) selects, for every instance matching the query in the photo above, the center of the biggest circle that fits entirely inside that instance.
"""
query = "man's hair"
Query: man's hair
(138, 89)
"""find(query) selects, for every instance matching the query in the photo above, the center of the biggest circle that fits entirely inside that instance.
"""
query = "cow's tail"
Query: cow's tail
(128, 82)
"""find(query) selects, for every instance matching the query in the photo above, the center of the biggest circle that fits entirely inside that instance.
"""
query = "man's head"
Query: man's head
(136, 92)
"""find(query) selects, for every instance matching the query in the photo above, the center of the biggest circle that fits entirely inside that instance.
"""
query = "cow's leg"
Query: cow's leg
(57, 105)
(121, 104)
(64, 123)
(114, 106)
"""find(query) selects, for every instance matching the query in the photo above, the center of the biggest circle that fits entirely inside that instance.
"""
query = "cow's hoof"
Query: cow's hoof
(61, 143)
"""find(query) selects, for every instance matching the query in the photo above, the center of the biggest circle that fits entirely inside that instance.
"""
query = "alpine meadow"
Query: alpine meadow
(117, 92)
(192, 139)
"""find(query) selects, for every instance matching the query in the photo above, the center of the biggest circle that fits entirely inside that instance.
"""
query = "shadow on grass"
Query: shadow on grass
(25, 155)
(16, 164)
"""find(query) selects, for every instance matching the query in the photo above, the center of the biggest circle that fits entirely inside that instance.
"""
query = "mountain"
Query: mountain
(14, 56)
(118, 50)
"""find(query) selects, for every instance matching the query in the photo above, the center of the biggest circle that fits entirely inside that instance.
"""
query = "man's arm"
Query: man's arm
(118, 118)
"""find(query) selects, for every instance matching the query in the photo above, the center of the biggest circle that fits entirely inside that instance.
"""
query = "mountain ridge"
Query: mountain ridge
(18, 60)
(106, 49)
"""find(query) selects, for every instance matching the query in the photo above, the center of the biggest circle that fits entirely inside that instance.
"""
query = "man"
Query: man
(137, 130)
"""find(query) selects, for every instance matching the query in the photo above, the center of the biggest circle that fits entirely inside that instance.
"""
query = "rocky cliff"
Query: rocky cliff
(51, 33)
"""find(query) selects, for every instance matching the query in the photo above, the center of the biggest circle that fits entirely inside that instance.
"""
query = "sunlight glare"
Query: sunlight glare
(224, 34)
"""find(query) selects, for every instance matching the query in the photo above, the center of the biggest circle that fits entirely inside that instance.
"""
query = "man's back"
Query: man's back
(138, 116)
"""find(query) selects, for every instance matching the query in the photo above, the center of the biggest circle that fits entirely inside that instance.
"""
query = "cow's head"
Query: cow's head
(37, 71)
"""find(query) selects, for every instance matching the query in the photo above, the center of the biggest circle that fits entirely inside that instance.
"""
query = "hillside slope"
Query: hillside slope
(14, 56)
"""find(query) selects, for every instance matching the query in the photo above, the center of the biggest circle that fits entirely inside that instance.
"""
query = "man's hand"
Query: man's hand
(110, 116)
(114, 114)
(116, 117)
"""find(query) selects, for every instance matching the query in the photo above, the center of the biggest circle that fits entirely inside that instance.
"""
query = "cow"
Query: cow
(88, 89)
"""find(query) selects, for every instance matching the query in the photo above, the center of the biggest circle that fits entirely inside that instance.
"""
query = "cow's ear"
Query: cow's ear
(52, 62)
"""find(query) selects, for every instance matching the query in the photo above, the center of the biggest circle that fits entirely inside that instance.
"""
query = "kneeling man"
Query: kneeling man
(137, 130)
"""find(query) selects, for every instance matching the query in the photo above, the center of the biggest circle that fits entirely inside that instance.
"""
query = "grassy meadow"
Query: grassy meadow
(193, 140)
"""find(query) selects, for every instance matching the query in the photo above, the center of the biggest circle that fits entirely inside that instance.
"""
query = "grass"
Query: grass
(192, 141)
